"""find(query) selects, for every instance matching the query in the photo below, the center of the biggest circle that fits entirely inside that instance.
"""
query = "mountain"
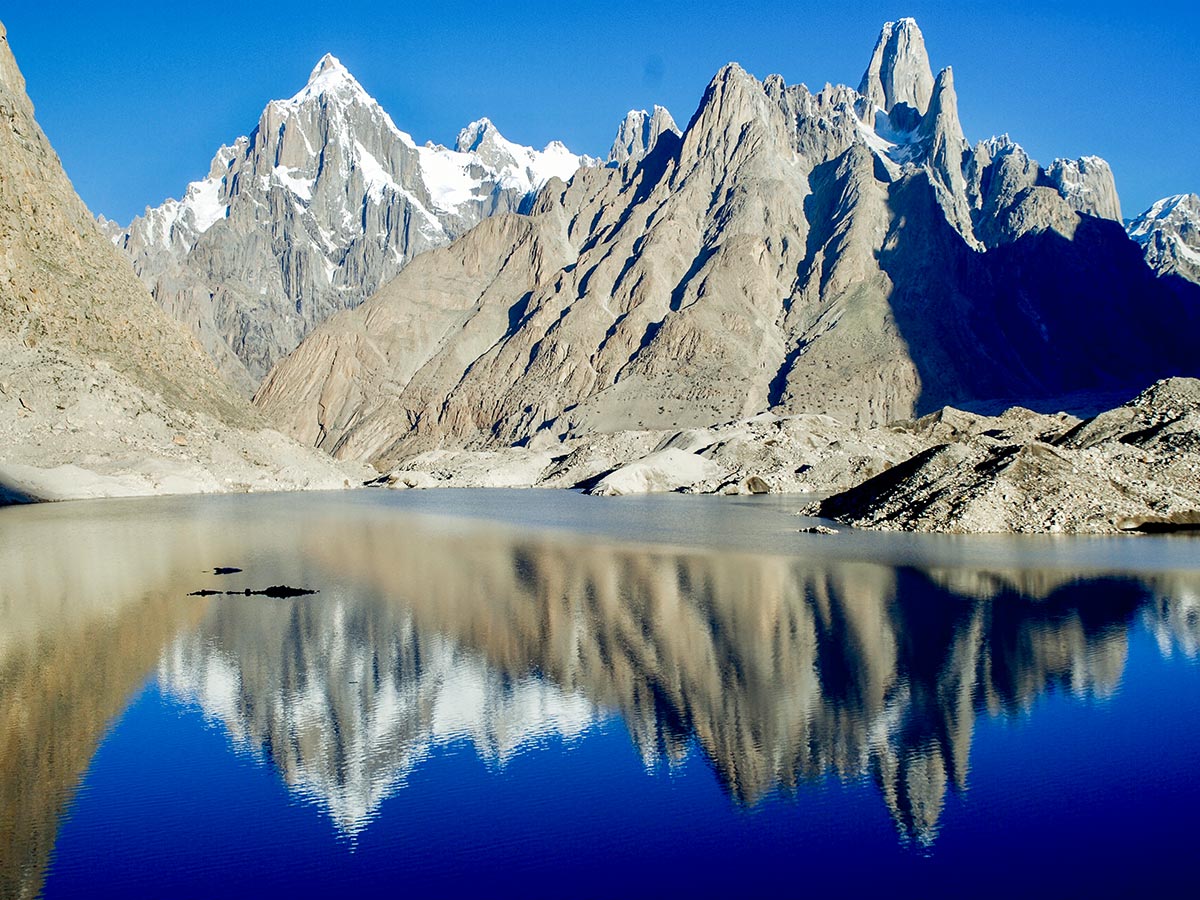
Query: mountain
(101, 392)
(325, 201)
(638, 132)
(1169, 235)
(844, 252)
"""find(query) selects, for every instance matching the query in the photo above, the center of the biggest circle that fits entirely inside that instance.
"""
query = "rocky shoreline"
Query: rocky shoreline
(1135, 467)
(1132, 468)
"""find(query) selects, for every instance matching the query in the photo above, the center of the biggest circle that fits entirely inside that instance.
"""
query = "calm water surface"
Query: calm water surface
(540, 694)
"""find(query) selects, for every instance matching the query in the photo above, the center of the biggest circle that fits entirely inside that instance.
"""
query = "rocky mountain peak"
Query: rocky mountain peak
(791, 255)
(471, 137)
(947, 147)
(330, 78)
(1088, 186)
(329, 67)
(727, 96)
(322, 203)
(639, 132)
(899, 70)
(943, 106)
(1169, 235)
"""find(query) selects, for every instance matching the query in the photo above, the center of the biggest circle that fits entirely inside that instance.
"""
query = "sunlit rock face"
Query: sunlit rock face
(840, 252)
(322, 203)
(638, 133)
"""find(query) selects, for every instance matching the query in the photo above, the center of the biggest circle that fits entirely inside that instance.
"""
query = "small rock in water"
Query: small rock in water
(275, 591)
(818, 529)
(282, 591)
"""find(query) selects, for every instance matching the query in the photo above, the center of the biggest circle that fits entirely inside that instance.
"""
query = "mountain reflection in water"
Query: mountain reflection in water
(780, 670)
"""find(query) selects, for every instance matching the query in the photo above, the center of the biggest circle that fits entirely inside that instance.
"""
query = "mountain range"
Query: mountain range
(321, 204)
(844, 252)
(792, 264)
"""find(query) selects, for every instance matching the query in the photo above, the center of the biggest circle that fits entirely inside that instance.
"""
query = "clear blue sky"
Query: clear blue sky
(137, 96)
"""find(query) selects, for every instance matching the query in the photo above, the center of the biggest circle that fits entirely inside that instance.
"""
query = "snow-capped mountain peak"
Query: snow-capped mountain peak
(473, 135)
(1181, 208)
(330, 77)
(518, 167)
(348, 200)
(1169, 235)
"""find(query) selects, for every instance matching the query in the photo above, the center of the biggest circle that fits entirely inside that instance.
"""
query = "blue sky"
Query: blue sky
(136, 97)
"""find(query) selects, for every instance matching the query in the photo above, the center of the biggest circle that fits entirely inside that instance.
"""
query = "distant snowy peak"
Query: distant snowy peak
(176, 224)
(472, 137)
(1181, 211)
(997, 145)
(1169, 235)
(517, 166)
(638, 133)
(321, 204)
(329, 78)
(483, 161)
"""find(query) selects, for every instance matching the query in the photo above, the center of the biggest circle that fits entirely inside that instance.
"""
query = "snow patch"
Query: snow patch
(301, 187)
(448, 177)
(378, 181)
(203, 199)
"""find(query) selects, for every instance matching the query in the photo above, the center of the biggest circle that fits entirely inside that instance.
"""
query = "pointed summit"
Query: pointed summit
(329, 76)
(947, 147)
(475, 134)
(328, 65)
(639, 132)
(1169, 235)
(899, 70)
(941, 119)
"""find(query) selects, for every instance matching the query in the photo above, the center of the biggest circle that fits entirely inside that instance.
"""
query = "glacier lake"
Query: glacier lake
(536, 694)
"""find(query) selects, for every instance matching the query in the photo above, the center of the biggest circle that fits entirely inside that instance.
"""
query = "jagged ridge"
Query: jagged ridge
(791, 251)
(323, 202)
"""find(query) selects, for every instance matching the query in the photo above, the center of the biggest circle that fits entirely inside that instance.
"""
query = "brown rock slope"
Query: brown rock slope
(842, 252)
(1136, 467)
(100, 391)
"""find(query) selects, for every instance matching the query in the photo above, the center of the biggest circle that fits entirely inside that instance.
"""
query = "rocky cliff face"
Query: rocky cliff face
(898, 74)
(323, 202)
(843, 252)
(1169, 235)
(102, 392)
(638, 132)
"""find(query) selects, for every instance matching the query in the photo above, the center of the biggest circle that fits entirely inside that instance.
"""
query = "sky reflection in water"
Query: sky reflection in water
(557, 712)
